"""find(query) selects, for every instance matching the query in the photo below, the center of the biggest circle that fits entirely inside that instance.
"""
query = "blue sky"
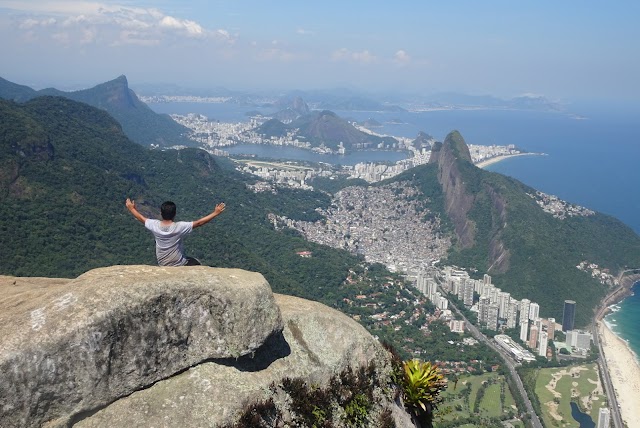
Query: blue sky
(565, 50)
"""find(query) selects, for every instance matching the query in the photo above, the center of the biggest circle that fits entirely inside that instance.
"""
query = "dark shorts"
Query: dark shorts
(192, 262)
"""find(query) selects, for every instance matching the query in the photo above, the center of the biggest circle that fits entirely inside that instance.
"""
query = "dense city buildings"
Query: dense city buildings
(396, 236)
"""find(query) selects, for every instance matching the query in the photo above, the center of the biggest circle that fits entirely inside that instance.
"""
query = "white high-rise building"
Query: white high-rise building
(603, 417)
(491, 321)
(486, 279)
(512, 314)
(543, 343)
(495, 292)
(534, 311)
(505, 299)
(421, 283)
(467, 298)
(524, 311)
(483, 309)
(432, 289)
(455, 286)
(478, 286)
(441, 302)
(524, 331)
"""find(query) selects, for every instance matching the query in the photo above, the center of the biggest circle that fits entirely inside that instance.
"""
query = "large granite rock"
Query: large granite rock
(72, 346)
(317, 343)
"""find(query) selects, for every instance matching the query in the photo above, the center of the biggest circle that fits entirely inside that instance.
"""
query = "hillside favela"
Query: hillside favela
(246, 214)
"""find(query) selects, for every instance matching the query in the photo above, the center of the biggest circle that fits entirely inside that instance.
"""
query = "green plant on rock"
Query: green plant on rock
(357, 411)
(421, 389)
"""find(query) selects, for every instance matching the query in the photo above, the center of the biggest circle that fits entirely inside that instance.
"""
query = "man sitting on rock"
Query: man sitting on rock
(169, 234)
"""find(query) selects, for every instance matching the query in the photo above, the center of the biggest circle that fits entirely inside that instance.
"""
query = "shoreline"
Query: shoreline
(617, 358)
(624, 370)
(496, 159)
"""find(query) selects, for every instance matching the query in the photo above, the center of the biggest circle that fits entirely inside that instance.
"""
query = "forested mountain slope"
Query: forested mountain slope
(501, 229)
(66, 169)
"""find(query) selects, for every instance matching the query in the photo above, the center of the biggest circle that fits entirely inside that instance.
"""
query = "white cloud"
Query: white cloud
(75, 20)
(191, 28)
(304, 32)
(170, 22)
(31, 23)
(224, 34)
(345, 54)
(117, 24)
(364, 56)
(401, 57)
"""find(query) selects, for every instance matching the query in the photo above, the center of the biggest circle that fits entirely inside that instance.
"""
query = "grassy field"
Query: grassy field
(487, 394)
(557, 387)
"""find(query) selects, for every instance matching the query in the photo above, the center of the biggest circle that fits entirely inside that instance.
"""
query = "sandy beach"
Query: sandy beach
(625, 374)
(497, 159)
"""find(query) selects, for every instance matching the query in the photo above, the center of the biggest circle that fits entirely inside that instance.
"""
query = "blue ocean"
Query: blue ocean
(592, 158)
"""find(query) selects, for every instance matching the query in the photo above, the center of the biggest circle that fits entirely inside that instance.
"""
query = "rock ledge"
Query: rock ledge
(73, 346)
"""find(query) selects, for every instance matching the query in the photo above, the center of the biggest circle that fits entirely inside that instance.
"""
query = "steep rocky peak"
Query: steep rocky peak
(448, 156)
(299, 106)
(115, 92)
(457, 145)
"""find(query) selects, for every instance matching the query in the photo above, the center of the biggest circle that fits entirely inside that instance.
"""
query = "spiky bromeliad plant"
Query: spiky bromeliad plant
(421, 388)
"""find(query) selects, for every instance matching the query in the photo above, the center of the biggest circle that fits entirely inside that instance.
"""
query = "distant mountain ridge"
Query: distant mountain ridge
(325, 128)
(523, 102)
(291, 109)
(138, 121)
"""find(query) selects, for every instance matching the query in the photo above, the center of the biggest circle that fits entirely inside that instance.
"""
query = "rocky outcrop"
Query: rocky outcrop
(317, 343)
(143, 346)
(458, 200)
(462, 194)
(71, 346)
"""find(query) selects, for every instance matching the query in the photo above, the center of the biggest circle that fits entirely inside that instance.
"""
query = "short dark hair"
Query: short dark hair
(168, 210)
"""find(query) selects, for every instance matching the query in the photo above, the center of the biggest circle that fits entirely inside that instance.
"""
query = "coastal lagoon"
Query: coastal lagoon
(295, 153)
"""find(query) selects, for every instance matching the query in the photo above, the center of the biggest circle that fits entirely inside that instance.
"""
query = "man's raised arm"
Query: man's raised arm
(206, 219)
(131, 206)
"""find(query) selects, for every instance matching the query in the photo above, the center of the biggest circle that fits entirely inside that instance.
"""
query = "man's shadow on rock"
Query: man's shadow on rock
(274, 348)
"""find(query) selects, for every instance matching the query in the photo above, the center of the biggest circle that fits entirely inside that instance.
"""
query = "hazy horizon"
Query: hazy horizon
(562, 51)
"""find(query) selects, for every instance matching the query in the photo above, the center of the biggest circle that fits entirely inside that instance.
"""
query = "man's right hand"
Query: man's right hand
(219, 208)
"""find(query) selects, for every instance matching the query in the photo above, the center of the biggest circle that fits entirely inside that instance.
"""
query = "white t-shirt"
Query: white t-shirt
(169, 248)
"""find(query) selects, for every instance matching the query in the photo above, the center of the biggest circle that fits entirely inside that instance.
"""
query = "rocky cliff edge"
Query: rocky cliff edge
(169, 347)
